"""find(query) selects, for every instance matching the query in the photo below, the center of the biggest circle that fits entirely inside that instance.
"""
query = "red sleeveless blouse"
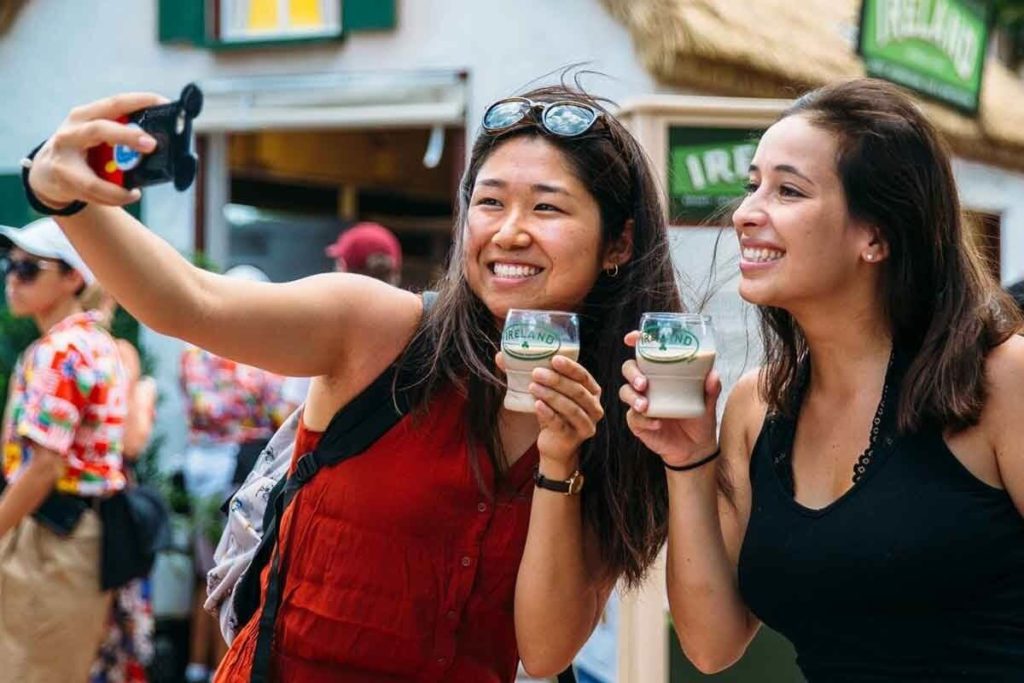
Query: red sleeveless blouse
(399, 567)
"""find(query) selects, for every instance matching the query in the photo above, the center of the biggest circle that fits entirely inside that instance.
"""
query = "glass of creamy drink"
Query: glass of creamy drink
(675, 352)
(530, 340)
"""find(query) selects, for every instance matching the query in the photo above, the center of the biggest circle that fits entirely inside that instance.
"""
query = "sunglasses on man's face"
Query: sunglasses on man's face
(563, 118)
(26, 270)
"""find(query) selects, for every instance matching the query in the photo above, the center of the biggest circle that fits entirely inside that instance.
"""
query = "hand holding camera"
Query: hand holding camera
(105, 151)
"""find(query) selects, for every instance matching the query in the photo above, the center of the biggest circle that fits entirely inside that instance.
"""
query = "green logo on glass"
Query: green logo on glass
(667, 344)
(530, 342)
(936, 47)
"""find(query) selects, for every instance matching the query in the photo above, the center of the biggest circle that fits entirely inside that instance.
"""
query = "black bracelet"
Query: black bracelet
(693, 465)
(69, 210)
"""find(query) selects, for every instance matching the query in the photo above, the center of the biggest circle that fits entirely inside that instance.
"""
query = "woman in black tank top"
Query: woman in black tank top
(869, 501)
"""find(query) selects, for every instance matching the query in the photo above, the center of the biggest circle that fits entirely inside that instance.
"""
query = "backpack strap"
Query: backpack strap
(352, 430)
(567, 676)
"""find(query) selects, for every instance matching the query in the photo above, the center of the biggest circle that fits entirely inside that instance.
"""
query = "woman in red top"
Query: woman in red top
(431, 556)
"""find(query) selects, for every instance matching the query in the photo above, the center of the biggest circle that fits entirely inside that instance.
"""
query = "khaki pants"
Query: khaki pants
(52, 612)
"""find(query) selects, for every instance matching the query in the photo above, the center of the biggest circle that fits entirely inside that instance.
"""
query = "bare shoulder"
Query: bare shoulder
(376, 322)
(1004, 374)
(1000, 420)
(368, 300)
(375, 319)
(744, 412)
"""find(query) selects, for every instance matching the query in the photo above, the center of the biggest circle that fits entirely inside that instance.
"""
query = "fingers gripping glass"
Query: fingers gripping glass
(26, 270)
(564, 118)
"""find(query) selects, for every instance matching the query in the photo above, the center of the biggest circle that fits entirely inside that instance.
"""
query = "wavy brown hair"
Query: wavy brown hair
(625, 501)
(945, 310)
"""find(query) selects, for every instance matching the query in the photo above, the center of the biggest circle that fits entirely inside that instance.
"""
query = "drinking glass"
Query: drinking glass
(530, 340)
(676, 351)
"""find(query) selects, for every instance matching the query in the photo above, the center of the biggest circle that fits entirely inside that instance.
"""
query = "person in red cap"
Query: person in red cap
(368, 249)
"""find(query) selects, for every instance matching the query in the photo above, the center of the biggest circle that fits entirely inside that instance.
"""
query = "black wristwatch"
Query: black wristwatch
(570, 487)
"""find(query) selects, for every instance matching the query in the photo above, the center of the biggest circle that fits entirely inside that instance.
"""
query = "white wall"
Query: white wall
(994, 190)
(60, 53)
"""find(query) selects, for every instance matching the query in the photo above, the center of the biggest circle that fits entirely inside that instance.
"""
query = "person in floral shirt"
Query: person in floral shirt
(229, 402)
(62, 452)
(233, 410)
(128, 648)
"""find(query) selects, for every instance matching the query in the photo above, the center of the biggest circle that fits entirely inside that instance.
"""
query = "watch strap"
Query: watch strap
(570, 486)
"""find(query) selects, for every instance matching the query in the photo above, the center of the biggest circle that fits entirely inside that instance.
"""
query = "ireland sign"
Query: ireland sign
(707, 169)
(936, 47)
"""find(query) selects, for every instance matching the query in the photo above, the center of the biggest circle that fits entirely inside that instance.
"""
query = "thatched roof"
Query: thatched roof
(9, 12)
(779, 48)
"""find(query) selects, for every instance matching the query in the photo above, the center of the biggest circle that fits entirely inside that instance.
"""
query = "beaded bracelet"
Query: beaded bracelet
(693, 465)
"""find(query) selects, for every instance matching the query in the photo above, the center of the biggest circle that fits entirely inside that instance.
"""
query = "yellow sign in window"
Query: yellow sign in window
(305, 14)
(278, 19)
(263, 16)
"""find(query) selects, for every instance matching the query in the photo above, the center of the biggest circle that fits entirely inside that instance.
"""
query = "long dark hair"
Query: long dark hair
(945, 310)
(625, 500)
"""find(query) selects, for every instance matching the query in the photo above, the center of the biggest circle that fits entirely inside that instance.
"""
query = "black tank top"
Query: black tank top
(914, 574)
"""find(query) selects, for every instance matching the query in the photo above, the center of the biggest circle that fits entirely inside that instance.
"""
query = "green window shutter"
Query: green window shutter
(182, 21)
(367, 15)
(14, 209)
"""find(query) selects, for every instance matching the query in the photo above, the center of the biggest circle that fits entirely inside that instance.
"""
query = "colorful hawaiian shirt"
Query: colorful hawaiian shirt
(69, 394)
(229, 402)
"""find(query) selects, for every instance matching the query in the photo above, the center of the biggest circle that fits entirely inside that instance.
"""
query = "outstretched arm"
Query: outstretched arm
(255, 323)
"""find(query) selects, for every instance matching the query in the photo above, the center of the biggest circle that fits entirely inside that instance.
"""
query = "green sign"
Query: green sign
(707, 169)
(936, 47)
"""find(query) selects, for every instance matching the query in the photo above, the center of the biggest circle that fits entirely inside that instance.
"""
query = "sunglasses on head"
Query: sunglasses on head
(564, 118)
(26, 270)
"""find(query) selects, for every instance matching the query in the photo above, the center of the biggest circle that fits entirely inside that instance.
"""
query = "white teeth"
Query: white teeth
(509, 270)
(761, 255)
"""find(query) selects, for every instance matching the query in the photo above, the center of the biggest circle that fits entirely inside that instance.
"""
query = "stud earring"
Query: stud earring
(869, 257)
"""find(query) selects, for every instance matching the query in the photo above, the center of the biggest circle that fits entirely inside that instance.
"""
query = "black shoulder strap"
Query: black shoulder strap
(567, 676)
(350, 432)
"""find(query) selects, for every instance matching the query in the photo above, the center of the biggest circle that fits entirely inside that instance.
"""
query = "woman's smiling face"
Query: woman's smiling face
(533, 230)
(797, 239)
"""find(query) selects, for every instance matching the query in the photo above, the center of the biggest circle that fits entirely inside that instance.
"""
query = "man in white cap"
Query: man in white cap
(62, 445)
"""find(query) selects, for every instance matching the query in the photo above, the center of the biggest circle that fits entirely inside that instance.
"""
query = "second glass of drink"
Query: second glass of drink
(530, 340)
(676, 352)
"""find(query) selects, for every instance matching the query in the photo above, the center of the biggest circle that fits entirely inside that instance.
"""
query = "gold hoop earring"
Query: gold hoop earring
(613, 271)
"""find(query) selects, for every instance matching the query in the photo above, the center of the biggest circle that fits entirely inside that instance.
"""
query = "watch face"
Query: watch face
(575, 484)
